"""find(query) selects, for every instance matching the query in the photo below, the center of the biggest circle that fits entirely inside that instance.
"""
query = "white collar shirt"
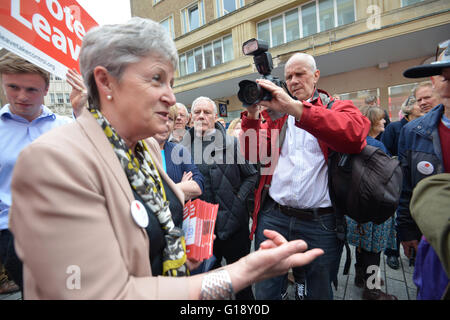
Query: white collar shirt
(300, 179)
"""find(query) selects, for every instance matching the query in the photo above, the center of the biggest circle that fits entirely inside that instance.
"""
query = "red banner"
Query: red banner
(48, 33)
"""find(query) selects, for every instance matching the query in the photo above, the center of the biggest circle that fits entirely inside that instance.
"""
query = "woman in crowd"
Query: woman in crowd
(410, 110)
(234, 128)
(371, 239)
(222, 122)
(78, 214)
(185, 174)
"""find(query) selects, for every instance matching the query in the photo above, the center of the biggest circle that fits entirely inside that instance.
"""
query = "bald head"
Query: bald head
(301, 75)
(300, 56)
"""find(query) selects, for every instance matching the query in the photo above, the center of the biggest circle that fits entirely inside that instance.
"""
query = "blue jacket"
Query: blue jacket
(429, 275)
(376, 143)
(391, 134)
(420, 156)
(175, 172)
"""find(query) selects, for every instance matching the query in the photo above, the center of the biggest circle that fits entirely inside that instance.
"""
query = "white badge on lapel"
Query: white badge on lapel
(424, 167)
(139, 214)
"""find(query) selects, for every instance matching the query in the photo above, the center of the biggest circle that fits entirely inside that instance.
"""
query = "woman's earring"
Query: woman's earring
(109, 97)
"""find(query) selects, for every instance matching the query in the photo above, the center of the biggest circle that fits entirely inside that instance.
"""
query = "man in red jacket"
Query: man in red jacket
(294, 183)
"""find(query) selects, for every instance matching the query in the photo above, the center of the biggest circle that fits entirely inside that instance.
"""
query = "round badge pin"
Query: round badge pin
(139, 214)
(424, 167)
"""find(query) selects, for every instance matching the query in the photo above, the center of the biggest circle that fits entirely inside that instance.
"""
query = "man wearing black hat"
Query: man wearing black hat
(424, 150)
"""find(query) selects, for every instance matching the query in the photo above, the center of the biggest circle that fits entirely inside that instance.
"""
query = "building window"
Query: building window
(52, 98)
(217, 47)
(309, 19)
(206, 56)
(326, 14)
(67, 98)
(264, 31)
(345, 11)
(168, 25)
(410, 2)
(193, 16)
(60, 98)
(182, 63)
(224, 7)
(190, 62)
(227, 48)
(198, 56)
(292, 23)
(315, 16)
(276, 26)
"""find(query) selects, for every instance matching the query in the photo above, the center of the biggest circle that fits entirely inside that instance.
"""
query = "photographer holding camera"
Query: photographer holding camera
(292, 196)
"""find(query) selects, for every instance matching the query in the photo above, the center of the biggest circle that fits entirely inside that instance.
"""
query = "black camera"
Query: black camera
(249, 91)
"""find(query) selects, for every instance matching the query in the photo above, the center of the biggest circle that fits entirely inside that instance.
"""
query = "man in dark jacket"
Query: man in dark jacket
(424, 147)
(228, 181)
(424, 150)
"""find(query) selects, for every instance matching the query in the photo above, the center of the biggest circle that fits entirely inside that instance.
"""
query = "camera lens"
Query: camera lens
(250, 92)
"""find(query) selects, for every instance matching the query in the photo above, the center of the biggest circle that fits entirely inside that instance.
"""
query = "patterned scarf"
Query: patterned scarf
(145, 180)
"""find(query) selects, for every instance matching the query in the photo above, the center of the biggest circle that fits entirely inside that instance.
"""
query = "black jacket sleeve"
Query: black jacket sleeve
(406, 226)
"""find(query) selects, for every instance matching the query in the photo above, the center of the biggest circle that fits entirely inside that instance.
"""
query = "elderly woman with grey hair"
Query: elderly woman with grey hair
(92, 219)
(410, 110)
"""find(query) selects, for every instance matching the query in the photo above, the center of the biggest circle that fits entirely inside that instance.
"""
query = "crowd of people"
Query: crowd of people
(104, 191)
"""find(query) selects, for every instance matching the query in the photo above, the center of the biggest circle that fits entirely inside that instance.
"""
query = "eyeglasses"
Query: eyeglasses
(410, 101)
(441, 47)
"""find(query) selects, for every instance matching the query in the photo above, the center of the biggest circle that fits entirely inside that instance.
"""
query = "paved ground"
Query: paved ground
(397, 282)
(11, 296)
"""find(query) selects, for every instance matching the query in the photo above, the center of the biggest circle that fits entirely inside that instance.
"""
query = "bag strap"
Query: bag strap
(282, 135)
(341, 225)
